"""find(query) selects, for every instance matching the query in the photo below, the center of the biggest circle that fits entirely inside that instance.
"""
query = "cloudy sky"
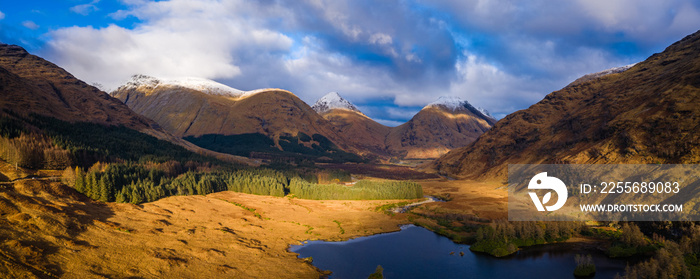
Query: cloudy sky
(389, 57)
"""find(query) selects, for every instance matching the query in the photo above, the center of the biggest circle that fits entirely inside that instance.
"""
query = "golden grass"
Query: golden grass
(47, 229)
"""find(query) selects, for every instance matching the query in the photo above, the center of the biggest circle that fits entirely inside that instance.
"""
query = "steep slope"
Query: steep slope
(364, 134)
(443, 125)
(593, 76)
(647, 114)
(187, 111)
(31, 84)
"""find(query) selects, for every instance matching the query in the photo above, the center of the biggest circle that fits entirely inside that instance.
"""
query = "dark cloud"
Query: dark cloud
(387, 34)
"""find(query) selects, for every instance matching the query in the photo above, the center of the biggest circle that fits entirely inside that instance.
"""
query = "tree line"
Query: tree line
(34, 151)
(502, 238)
(134, 183)
(362, 190)
(37, 142)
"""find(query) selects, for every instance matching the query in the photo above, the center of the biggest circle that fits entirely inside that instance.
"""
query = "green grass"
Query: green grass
(309, 229)
(342, 231)
(386, 208)
(362, 190)
(123, 230)
(253, 210)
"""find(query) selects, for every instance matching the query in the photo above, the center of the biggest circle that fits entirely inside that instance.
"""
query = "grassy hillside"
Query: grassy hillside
(647, 114)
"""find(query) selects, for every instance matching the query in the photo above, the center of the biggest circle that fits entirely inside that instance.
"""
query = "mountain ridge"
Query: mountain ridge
(274, 113)
(646, 114)
(187, 112)
(33, 85)
(64, 96)
(439, 127)
(417, 138)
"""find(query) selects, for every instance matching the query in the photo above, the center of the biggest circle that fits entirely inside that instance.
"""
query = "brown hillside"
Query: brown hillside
(436, 130)
(187, 112)
(647, 114)
(362, 132)
(30, 84)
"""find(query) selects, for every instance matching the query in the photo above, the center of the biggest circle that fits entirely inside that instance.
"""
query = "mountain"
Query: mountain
(264, 121)
(364, 134)
(42, 96)
(440, 126)
(200, 84)
(31, 84)
(332, 101)
(646, 114)
(193, 109)
(224, 119)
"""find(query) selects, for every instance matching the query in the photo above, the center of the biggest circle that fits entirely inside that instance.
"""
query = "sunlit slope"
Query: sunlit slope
(647, 114)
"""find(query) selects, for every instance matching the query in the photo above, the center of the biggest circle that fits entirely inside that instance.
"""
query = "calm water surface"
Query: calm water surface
(415, 252)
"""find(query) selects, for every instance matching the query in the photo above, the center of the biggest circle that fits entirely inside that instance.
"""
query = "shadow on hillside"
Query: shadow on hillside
(43, 219)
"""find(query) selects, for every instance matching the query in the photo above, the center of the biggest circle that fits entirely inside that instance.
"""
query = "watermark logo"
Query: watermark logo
(542, 181)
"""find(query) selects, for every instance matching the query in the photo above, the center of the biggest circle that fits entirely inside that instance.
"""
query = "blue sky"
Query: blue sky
(389, 57)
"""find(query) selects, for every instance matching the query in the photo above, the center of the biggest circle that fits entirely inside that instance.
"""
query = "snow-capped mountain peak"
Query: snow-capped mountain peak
(200, 84)
(453, 104)
(450, 102)
(333, 100)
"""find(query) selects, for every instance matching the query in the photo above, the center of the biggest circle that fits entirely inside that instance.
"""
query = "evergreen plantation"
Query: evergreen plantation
(135, 184)
(131, 183)
(362, 190)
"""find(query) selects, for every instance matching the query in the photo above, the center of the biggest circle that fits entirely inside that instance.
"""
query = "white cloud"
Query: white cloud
(645, 21)
(178, 38)
(390, 123)
(318, 72)
(85, 9)
(486, 86)
(405, 113)
(2, 15)
(412, 57)
(380, 39)
(632, 16)
(687, 18)
(370, 52)
(642, 20)
(30, 24)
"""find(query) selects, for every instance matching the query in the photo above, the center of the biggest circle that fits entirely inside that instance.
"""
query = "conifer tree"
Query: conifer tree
(79, 180)
(105, 194)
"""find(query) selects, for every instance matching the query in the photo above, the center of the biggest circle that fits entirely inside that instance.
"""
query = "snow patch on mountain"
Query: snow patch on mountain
(450, 102)
(453, 104)
(593, 76)
(485, 112)
(333, 100)
(613, 70)
(200, 84)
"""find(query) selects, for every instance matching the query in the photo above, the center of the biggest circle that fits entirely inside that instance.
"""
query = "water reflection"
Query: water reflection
(415, 252)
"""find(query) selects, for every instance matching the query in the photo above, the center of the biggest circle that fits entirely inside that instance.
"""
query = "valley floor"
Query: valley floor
(49, 230)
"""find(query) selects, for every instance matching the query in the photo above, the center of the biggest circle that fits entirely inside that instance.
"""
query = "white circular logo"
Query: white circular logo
(542, 181)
